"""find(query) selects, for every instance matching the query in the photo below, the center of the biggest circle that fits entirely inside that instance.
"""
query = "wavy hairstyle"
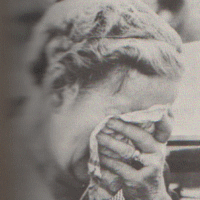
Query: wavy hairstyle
(82, 41)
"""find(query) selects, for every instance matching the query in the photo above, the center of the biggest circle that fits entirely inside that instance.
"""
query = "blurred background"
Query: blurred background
(182, 15)
(17, 22)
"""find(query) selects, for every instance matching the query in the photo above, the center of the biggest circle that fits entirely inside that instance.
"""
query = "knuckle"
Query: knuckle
(111, 182)
(162, 137)
(127, 152)
(161, 157)
(164, 130)
(152, 175)
(123, 127)
(156, 168)
(117, 167)
(132, 183)
(160, 153)
(157, 162)
(157, 165)
(160, 150)
(113, 164)
(146, 139)
(115, 185)
(131, 180)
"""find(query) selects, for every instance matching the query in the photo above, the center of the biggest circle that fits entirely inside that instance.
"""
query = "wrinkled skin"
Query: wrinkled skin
(73, 122)
(147, 182)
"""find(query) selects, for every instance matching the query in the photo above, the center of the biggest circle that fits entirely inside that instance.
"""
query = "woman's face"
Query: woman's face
(79, 115)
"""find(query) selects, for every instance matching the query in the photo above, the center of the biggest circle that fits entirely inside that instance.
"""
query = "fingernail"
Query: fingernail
(106, 130)
(111, 123)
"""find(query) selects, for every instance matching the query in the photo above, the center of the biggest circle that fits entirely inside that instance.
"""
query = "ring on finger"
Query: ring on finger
(137, 156)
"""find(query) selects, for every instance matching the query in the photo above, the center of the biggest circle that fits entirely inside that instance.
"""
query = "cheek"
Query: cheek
(92, 112)
(166, 92)
(144, 92)
(84, 123)
(88, 119)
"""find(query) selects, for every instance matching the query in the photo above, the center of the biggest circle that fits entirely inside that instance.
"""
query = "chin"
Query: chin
(75, 181)
(79, 171)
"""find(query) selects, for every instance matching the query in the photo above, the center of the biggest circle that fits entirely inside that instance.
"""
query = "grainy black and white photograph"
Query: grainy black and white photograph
(100, 100)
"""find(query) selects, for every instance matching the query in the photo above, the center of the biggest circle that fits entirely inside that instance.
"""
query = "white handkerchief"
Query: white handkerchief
(144, 119)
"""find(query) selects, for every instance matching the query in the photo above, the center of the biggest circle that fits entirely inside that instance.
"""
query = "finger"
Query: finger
(103, 193)
(107, 152)
(131, 176)
(156, 160)
(107, 130)
(111, 182)
(142, 139)
(126, 151)
(122, 169)
(163, 129)
(150, 185)
(146, 159)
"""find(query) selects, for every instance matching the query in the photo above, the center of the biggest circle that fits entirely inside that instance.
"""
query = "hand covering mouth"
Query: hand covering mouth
(144, 118)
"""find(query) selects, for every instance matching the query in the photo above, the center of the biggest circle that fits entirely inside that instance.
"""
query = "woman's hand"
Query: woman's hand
(146, 183)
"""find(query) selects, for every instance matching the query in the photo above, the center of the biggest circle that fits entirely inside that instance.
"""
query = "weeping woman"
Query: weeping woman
(93, 59)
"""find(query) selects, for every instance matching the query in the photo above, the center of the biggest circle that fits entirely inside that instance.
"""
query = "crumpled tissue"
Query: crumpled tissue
(143, 118)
